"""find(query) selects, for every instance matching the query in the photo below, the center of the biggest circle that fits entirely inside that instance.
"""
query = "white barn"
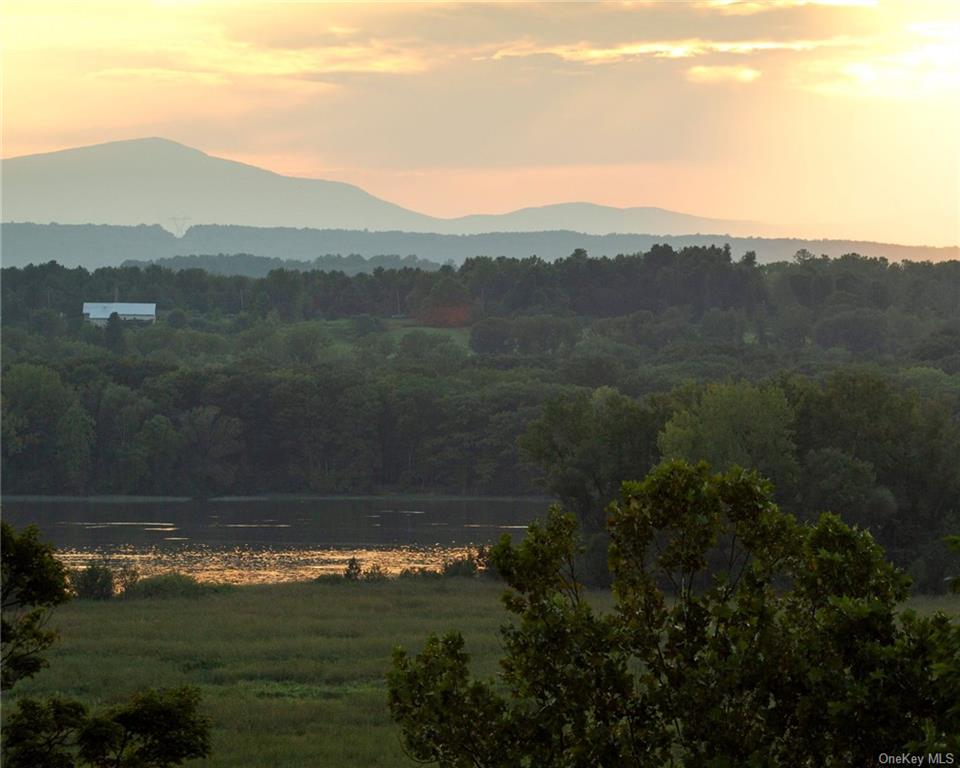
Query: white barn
(98, 313)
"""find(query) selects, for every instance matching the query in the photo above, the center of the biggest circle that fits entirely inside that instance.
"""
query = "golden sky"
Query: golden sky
(834, 118)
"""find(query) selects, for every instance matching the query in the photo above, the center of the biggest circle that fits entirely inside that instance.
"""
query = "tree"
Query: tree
(587, 444)
(492, 336)
(33, 582)
(739, 424)
(51, 434)
(834, 481)
(156, 729)
(211, 439)
(160, 446)
(859, 330)
(304, 342)
(74, 439)
(739, 637)
(113, 334)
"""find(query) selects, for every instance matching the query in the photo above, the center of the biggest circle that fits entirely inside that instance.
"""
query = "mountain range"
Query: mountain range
(157, 181)
(92, 246)
(127, 201)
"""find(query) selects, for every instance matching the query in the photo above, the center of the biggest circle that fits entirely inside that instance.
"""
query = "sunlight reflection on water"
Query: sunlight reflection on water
(250, 541)
(246, 565)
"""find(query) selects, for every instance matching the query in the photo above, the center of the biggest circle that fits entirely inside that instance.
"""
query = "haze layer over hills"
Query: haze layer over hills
(156, 181)
(112, 203)
(95, 246)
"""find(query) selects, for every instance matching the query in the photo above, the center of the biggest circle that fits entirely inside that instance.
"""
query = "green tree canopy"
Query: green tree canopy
(155, 729)
(736, 424)
(587, 443)
(739, 637)
(33, 581)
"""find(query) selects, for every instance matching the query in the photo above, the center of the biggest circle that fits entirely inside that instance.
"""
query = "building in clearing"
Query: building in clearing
(98, 313)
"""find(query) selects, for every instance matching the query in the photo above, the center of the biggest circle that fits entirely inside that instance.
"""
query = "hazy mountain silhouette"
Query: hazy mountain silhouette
(154, 181)
(157, 181)
(102, 245)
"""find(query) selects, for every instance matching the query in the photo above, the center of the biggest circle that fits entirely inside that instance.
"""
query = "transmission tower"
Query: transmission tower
(179, 224)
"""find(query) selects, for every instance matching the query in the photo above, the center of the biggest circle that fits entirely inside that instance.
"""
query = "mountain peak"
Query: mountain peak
(154, 180)
(155, 145)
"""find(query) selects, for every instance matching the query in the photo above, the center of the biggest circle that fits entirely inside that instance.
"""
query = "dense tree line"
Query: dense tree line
(837, 379)
(248, 265)
(868, 307)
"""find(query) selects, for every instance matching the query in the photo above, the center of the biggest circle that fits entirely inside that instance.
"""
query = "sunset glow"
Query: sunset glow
(827, 118)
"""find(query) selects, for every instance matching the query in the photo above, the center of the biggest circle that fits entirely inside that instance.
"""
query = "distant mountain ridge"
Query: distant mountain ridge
(158, 181)
(95, 246)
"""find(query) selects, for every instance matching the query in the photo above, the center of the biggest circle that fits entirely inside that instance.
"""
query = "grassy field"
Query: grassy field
(292, 674)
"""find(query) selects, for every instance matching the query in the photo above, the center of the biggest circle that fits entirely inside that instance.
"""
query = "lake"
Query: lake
(258, 540)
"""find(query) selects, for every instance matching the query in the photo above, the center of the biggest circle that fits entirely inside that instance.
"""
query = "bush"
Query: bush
(464, 567)
(375, 573)
(419, 573)
(95, 582)
(476, 564)
(166, 585)
(125, 577)
(353, 571)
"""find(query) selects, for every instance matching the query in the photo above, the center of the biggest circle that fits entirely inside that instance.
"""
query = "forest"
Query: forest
(838, 379)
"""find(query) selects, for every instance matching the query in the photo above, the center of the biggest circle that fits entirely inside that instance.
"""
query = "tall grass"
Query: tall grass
(292, 674)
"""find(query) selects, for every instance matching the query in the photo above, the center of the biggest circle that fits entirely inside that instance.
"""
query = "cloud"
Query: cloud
(585, 53)
(218, 63)
(722, 74)
(158, 74)
(922, 62)
(746, 7)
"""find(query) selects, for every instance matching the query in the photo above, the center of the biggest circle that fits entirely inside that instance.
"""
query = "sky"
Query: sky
(823, 118)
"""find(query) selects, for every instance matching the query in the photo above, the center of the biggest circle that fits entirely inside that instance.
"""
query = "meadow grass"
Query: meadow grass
(291, 674)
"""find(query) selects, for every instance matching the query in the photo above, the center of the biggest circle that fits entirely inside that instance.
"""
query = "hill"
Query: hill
(95, 246)
(157, 181)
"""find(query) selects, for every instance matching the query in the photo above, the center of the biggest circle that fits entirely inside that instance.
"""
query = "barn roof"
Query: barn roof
(104, 310)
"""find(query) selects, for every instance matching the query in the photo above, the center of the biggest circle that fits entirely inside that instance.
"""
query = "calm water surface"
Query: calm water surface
(243, 541)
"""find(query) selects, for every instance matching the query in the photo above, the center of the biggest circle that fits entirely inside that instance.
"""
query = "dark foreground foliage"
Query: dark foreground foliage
(739, 637)
(33, 582)
(155, 729)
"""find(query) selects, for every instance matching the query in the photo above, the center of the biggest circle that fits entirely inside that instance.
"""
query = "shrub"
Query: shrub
(95, 582)
(167, 585)
(470, 566)
(125, 577)
(419, 573)
(375, 573)
(353, 571)
(465, 567)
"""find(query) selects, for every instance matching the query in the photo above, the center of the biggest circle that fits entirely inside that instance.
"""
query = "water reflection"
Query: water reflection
(245, 541)
(245, 565)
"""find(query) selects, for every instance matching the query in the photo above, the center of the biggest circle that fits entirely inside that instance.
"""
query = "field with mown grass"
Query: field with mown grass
(291, 674)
